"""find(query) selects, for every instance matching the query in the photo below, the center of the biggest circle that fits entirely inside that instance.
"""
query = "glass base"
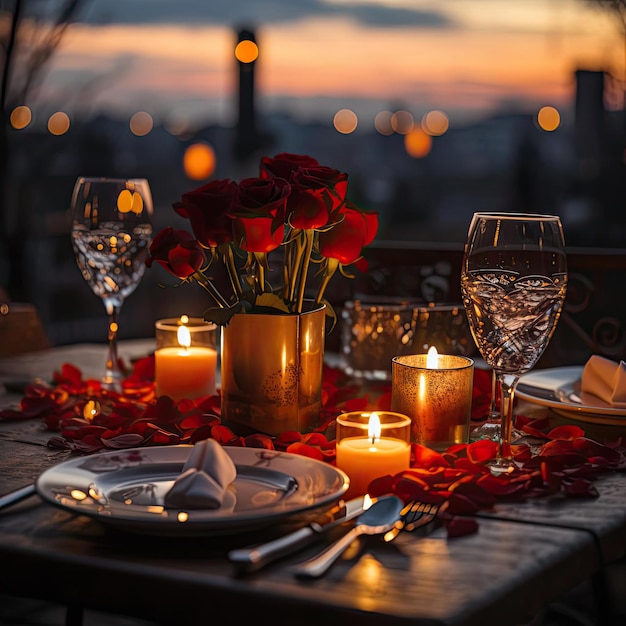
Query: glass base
(488, 430)
(502, 466)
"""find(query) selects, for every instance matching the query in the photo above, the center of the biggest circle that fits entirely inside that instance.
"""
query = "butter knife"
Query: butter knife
(254, 558)
(15, 496)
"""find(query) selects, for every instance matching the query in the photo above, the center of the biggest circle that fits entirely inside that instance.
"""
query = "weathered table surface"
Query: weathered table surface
(522, 558)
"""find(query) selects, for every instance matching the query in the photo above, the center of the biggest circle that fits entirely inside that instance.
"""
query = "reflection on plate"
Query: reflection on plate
(125, 488)
(559, 389)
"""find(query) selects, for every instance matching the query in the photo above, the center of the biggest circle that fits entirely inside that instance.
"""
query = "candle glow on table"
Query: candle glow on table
(185, 368)
(370, 445)
(435, 391)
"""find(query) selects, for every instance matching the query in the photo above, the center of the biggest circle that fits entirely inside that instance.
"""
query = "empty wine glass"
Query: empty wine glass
(111, 233)
(513, 282)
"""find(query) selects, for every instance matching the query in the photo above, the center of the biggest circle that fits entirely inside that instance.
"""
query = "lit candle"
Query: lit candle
(383, 450)
(183, 370)
(435, 391)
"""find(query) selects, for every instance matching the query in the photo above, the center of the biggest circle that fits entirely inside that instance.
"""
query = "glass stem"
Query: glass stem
(507, 391)
(113, 374)
(494, 411)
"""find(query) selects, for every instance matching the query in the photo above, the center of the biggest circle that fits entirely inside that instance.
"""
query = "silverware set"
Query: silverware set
(388, 516)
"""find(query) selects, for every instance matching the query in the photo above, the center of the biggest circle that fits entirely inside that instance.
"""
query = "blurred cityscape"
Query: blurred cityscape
(570, 163)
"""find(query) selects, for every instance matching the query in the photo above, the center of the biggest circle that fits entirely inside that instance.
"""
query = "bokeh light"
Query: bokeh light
(199, 161)
(402, 122)
(417, 143)
(345, 121)
(58, 123)
(382, 123)
(21, 117)
(141, 123)
(548, 118)
(246, 51)
(435, 123)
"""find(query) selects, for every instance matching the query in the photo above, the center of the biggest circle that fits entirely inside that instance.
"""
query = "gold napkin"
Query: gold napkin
(204, 479)
(605, 379)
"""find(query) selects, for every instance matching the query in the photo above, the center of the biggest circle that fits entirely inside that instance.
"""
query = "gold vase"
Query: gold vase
(272, 370)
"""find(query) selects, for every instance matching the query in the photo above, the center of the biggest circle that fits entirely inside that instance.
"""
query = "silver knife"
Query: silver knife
(256, 557)
(15, 496)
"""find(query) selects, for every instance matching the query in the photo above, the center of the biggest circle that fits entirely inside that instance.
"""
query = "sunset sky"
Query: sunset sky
(175, 60)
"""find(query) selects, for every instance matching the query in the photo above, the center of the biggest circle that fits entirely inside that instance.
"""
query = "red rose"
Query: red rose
(316, 192)
(283, 164)
(346, 240)
(177, 251)
(206, 208)
(258, 214)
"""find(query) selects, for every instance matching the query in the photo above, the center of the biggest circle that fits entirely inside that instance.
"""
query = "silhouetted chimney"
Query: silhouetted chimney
(590, 122)
(247, 137)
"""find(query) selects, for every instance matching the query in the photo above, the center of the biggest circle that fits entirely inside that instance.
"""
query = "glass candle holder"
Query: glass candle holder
(185, 358)
(374, 331)
(437, 396)
(370, 445)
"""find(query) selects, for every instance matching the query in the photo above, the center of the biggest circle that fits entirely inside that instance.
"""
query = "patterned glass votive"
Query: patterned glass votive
(436, 395)
(372, 333)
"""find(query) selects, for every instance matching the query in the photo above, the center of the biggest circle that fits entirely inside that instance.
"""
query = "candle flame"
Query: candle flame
(184, 336)
(373, 428)
(432, 358)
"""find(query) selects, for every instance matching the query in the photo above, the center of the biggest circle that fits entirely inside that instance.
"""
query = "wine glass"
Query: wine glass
(111, 234)
(513, 283)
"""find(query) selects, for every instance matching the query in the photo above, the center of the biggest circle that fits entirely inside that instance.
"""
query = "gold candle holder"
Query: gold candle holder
(435, 391)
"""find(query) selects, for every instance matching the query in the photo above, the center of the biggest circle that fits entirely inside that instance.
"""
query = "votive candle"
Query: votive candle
(370, 445)
(185, 358)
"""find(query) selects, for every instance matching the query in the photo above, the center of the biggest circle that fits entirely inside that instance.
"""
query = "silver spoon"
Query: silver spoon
(378, 519)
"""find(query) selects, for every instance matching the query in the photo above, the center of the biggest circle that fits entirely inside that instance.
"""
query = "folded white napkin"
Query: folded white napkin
(204, 479)
(605, 379)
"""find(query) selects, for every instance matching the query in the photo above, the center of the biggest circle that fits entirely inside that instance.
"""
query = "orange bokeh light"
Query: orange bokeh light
(382, 123)
(21, 117)
(417, 143)
(435, 123)
(199, 161)
(402, 122)
(58, 123)
(345, 121)
(141, 123)
(548, 118)
(246, 51)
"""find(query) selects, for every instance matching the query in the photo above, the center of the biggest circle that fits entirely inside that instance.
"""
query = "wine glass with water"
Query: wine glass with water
(111, 233)
(513, 282)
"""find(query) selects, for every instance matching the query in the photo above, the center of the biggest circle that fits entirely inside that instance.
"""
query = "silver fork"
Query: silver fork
(415, 514)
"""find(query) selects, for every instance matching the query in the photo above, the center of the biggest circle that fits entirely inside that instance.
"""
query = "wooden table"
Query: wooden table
(523, 557)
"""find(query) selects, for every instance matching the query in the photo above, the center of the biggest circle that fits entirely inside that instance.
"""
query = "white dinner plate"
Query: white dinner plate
(126, 488)
(559, 389)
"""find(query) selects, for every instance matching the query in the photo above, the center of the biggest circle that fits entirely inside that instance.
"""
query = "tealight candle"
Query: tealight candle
(435, 391)
(185, 358)
(370, 445)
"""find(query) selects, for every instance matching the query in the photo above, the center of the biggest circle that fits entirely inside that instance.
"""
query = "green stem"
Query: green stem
(233, 275)
(295, 261)
(260, 267)
(331, 268)
(306, 258)
(204, 282)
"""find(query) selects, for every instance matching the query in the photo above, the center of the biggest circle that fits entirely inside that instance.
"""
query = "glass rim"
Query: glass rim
(107, 179)
(194, 324)
(402, 420)
(526, 216)
(401, 361)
